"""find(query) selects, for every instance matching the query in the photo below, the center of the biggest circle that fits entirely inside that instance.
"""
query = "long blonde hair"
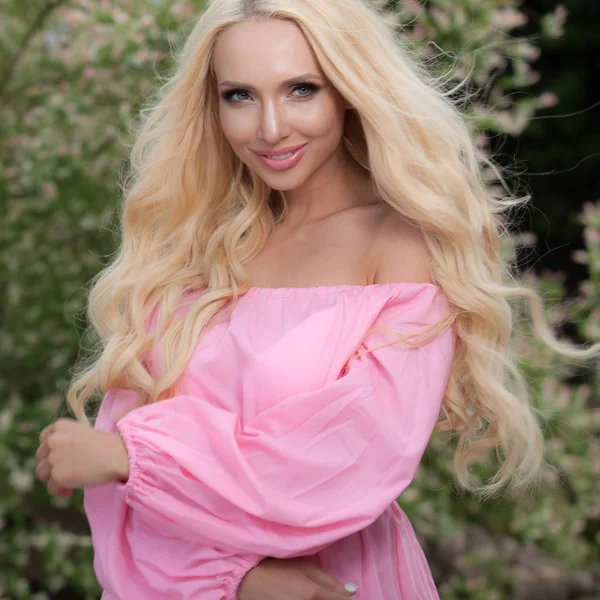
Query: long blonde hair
(194, 214)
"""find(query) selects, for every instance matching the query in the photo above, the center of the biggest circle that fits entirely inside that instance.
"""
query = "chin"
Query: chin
(281, 187)
(282, 182)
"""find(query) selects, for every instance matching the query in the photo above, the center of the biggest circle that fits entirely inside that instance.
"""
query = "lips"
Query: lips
(290, 158)
(280, 151)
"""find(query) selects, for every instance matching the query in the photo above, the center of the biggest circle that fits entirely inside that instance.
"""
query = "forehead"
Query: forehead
(267, 48)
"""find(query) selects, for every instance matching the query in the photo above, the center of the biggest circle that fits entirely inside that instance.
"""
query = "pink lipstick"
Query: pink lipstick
(283, 159)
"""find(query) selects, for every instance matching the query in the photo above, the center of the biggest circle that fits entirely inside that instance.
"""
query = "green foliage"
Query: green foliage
(73, 75)
(474, 41)
(561, 520)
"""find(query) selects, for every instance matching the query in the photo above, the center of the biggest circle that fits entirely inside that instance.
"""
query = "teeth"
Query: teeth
(282, 156)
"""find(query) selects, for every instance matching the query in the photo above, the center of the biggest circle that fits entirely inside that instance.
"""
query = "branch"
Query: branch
(35, 27)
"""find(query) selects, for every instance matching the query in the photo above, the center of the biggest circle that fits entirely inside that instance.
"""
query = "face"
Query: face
(273, 96)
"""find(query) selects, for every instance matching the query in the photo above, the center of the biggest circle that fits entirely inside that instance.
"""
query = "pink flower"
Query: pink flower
(182, 10)
(440, 17)
(561, 14)
(508, 19)
(120, 17)
(73, 17)
(547, 99)
(591, 236)
(49, 190)
(63, 149)
(555, 23)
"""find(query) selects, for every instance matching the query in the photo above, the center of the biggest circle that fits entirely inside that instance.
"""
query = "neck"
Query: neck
(339, 184)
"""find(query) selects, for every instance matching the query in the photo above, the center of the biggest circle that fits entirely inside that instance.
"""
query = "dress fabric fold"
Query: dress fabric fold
(298, 422)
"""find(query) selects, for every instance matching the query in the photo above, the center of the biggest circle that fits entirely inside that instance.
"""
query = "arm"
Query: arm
(312, 469)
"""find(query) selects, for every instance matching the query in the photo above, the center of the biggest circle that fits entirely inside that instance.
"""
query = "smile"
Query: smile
(284, 161)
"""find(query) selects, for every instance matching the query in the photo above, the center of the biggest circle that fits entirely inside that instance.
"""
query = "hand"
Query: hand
(74, 455)
(290, 579)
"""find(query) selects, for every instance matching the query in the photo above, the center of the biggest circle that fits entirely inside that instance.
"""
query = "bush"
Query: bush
(73, 73)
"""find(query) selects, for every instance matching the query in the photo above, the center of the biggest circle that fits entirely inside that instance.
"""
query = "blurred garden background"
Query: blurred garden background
(73, 75)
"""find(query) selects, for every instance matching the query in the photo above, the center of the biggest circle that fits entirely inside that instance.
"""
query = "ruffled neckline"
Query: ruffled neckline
(330, 289)
(324, 290)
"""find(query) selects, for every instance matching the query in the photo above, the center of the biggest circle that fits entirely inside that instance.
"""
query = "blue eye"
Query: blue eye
(311, 87)
(229, 95)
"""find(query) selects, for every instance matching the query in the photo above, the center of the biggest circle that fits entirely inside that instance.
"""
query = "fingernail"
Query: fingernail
(350, 587)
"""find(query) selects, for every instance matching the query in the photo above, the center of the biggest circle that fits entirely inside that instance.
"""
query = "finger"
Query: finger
(329, 582)
(46, 432)
(331, 595)
(42, 452)
(53, 488)
(43, 470)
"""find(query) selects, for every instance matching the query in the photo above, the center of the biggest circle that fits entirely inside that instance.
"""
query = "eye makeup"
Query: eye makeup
(228, 95)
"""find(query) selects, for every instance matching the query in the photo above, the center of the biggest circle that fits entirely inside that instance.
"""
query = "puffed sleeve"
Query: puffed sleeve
(308, 471)
(239, 566)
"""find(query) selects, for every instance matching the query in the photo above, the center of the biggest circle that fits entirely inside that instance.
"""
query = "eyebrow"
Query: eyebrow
(285, 83)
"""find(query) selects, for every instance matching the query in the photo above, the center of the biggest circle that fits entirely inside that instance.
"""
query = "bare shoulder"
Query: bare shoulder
(400, 251)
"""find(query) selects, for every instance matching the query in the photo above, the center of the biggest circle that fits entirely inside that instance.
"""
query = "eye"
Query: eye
(229, 95)
(311, 87)
(238, 95)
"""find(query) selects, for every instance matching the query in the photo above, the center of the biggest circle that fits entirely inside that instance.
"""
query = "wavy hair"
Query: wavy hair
(194, 214)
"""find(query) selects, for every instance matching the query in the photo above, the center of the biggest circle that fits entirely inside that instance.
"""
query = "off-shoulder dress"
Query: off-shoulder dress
(283, 441)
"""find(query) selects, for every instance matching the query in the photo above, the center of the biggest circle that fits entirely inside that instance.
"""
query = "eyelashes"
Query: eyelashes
(229, 95)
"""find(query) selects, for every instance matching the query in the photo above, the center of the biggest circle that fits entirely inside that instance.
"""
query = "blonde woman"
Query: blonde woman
(309, 278)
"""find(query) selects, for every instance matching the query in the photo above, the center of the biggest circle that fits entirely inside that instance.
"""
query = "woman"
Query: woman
(309, 273)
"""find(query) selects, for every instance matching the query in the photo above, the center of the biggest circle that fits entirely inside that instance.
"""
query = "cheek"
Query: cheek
(235, 128)
(323, 120)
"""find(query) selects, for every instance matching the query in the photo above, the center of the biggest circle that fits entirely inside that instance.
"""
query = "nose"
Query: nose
(274, 124)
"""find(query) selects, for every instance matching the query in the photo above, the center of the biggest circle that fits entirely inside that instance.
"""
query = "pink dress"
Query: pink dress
(281, 443)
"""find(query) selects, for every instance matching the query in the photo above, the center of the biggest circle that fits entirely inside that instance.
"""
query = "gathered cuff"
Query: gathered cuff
(132, 484)
(242, 564)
